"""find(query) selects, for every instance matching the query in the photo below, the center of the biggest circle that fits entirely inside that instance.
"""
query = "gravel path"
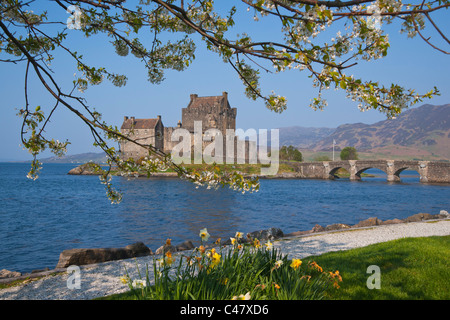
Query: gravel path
(103, 279)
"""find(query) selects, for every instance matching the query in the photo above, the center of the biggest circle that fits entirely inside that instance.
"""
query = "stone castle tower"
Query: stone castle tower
(214, 112)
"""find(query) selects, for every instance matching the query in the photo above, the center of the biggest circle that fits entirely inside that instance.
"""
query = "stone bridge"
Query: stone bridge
(429, 171)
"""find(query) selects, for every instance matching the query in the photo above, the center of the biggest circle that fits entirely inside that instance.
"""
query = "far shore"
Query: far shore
(248, 170)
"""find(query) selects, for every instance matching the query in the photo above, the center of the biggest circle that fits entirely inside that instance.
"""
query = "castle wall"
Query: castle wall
(142, 136)
(167, 142)
(210, 117)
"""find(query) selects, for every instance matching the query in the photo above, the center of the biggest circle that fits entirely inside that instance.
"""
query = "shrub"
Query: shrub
(290, 153)
(349, 153)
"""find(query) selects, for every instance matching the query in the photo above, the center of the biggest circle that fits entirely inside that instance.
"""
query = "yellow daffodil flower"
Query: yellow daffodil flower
(269, 245)
(215, 259)
(296, 263)
(169, 260)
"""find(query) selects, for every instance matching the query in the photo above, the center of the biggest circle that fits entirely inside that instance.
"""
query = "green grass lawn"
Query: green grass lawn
(410, 268)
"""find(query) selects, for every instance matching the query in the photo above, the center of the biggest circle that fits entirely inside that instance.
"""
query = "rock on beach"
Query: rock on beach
(81, 257)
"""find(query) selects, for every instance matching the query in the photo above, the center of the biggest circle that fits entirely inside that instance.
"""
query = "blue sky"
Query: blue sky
(410, 63)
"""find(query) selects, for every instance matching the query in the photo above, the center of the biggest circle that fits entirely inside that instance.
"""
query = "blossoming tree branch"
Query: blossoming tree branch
(348, 31)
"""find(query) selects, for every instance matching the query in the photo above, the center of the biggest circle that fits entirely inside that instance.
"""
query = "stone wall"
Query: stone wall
(143, 135)
(438, 172)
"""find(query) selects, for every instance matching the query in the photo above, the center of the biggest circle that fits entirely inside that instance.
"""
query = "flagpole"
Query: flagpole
(333, 148)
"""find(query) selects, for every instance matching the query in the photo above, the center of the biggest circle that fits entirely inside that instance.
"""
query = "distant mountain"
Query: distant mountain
(303, 137)
(422, 131)
(77, 158)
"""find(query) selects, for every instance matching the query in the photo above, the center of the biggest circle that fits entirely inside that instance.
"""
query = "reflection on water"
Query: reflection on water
(40, 219)
(173, 208)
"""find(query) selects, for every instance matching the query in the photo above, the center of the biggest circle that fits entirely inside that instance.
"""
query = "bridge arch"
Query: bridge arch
(332, 172)
(363, 169)
(398, 171)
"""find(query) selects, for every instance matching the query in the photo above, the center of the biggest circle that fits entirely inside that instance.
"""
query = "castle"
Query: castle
(214, 112)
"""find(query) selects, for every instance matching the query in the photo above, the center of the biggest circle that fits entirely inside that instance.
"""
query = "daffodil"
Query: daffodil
(336, 275)
(124, 279)
(204, 234)
(239, 235)
(307, 277)
(314, 265)
(233, 241)
(139, 283)
(159, 262)
(215, 259)
(269, 245)
(278, 263)
(210, 253)
(296, 263)
(242, 297)
(168, 259)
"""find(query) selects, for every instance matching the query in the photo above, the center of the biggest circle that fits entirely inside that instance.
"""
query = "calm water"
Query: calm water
(39, 219)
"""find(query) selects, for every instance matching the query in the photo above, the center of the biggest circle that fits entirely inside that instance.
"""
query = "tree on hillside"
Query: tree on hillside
(350, 31)
(349, 153)
(290, 153)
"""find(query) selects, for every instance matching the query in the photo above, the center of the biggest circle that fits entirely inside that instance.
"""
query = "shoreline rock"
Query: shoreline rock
(9, 274)
(81, 257)
(84, 169)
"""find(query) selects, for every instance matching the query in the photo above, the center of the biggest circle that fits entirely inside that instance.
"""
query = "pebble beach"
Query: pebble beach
(103, 279)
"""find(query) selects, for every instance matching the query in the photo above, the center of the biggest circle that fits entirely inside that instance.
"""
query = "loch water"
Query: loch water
(39, 219)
